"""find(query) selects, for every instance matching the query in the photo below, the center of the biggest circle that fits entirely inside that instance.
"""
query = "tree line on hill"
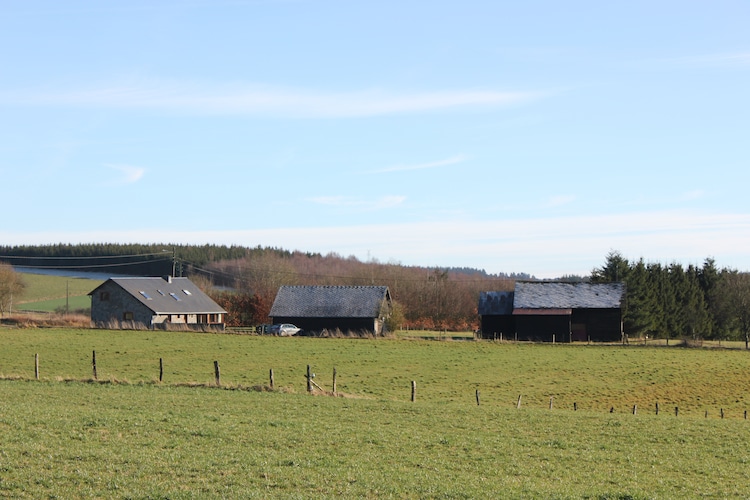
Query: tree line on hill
(662, 301)
(244, 281)
(424, 298)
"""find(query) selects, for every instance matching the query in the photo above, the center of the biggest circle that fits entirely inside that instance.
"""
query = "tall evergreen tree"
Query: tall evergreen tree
(615, 269)
(638, 317)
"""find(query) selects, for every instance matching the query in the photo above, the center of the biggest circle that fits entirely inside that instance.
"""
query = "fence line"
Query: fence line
(309, 375)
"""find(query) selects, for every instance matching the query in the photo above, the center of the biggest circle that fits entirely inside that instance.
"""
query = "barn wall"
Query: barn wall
(497, 327)
(315, 326)
(540, 328)
(601, 325)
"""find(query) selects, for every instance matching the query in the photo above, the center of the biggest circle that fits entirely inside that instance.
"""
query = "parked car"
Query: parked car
(284, 330)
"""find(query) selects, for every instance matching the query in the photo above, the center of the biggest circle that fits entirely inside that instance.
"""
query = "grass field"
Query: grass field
(139, 439)
(49, 293)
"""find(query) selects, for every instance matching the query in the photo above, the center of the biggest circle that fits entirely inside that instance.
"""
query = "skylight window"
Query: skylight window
(187, 292)
(174, 296)
(144, 294)
(161, 293)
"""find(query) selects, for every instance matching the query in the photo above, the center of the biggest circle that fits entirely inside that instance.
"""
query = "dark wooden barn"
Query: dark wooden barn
(496, 315)
(359, 310)
(543, 311)
(568, 312)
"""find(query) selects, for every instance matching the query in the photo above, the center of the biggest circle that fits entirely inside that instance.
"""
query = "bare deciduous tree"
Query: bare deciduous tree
(733, 302)
(11, 285)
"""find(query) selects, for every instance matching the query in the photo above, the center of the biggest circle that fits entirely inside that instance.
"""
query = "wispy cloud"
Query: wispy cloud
(129, 173)
(453, 160)
(260, 100)
(349, 201)
(731, 59)
(560, 200)
(696, 194)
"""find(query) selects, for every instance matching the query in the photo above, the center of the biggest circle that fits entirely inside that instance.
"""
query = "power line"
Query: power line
(83, 257)
(97, 266)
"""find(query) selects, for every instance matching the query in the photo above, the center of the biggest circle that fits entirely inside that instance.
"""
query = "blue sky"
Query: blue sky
(507, 136)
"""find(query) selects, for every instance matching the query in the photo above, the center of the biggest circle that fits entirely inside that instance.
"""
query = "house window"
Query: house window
(127, 316)
(104, 296)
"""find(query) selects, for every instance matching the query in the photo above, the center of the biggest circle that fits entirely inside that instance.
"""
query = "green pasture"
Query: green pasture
(129, 436)
(74, 440)
(53, 305)
(595, 377)
(48, 293)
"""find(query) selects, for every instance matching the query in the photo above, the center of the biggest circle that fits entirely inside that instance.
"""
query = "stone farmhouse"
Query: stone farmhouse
(154, 302)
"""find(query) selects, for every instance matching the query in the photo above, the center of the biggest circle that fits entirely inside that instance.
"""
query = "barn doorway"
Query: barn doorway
(578, 332)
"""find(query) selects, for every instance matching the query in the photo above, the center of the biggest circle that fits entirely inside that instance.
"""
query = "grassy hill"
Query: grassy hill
(49, 293)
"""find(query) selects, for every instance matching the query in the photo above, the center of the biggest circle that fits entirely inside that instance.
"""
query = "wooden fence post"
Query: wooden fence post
(477, 397)
(413, 391)
(217, 373)
(676, 411)
(657, 407)
(518, 403)
(309, 379)
(635, 409)
(270, 378)
(93, 364)
(161, 369)
(334, 380)
(551, 399)
(722, 413)
(36, 366)
(575, 406)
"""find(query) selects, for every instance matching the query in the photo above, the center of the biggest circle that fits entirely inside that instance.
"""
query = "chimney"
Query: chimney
(168, 279)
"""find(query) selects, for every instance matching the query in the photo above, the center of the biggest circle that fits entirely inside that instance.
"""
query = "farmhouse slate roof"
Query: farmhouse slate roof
(167, 296)
(551, 295)
(329, 301)
(495, 303)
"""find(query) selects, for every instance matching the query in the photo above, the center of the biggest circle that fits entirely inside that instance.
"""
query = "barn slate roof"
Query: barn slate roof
(553, 295)
(329, 301)
(495, 303)
(167, 296)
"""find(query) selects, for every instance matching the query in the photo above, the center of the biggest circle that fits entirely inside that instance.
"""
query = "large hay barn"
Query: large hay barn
(318, 310)
(555, 312)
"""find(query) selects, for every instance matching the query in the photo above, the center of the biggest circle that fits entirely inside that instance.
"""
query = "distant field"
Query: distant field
(47, 293)
(144, 439)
